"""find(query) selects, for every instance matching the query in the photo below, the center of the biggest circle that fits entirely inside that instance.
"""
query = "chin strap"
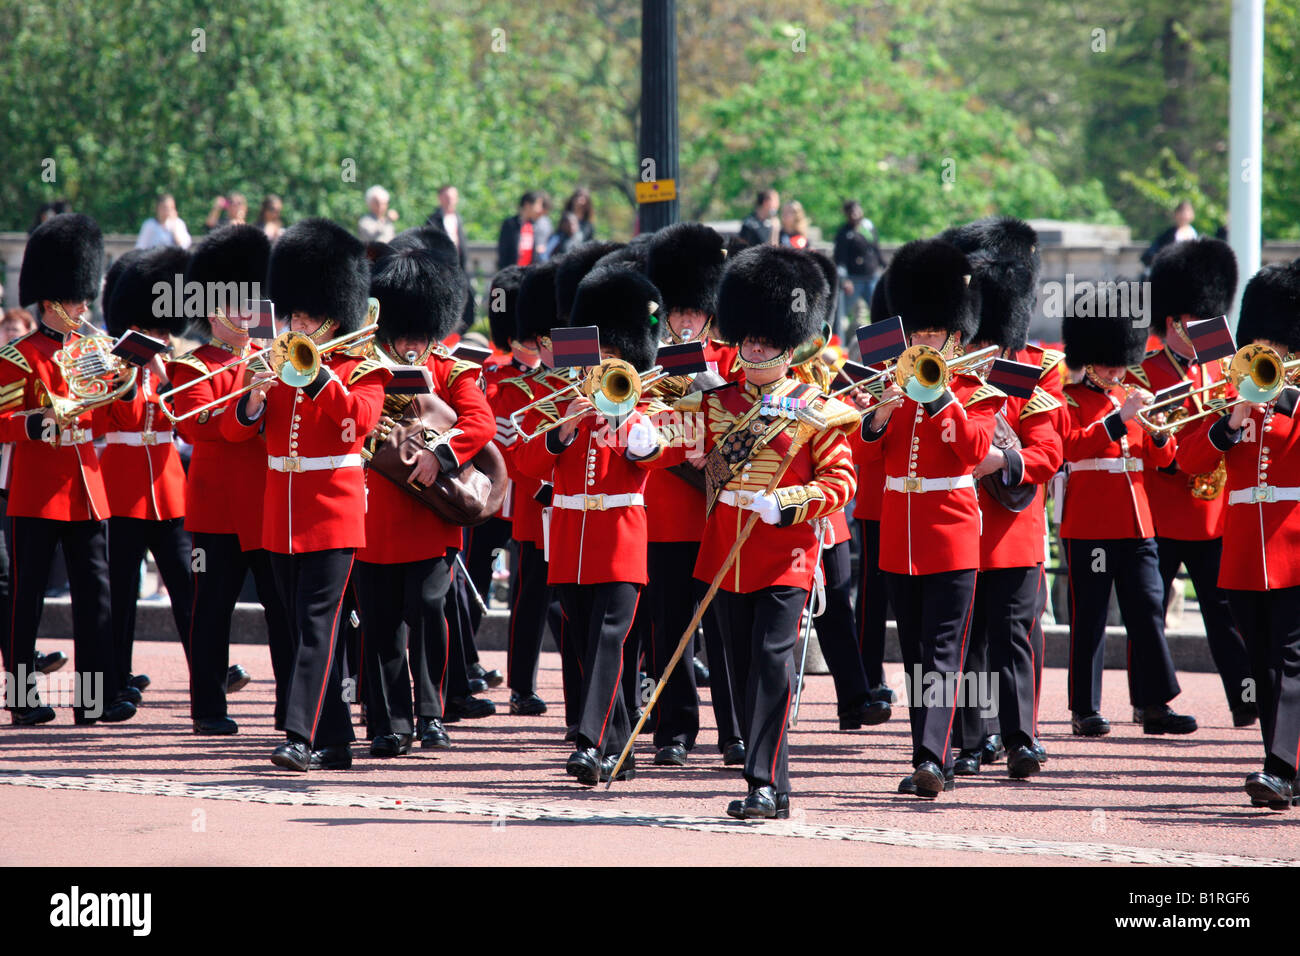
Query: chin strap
(773, 362)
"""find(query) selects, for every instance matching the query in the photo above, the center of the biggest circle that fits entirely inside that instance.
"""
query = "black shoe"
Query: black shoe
(1089, 725)
(139, 681)
(432, 734)
(237, 678)
(1270, 790)
(929, 780)
(293, 755)
(338, 757)
(1022, 762)
(117, 712)
(883, 694)
(877, 712)
(762, 803)
(215, 726)
(528, 705)
(492, 678)
(585, 764)
(908, 785)
(476, 685)
(1162, 720)
(992, 749)
(869, 712)
(1040, 752)
(967, 763)
(625, 772)
(31, 716)
(733, 755)
(132, 694)
(674, 755)
(391, 745)
(467, 708)
(1245, 715)
(702, 675)
(571, 735)
(49, 663)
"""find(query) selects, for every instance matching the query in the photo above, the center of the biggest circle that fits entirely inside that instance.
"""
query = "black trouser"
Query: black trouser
(128, 540)
(1132, 566)
(837, 632)
(873, 605)
(934, 613)
(220, 568)
(1201, 558)
(1001, 659)
(460, 633)
(725, 692)
(530, 601)
(671, 598)
(1271, 622)
(760, 629)
(638, 639)
(391, 595)
(311, 585)
(598, 618)
(481, 546)
(85, 554)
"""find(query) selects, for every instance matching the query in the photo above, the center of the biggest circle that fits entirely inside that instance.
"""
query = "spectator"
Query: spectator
(234, 208)
(48, 209)
(516, 241)
(579, 203)
(16, 323)
(165, 227)
(543, 228)
(794, 225)
(1180, 231)
(566, 237)
(268, 219)
(858, 260)
(377, 224)
(761, 227)
(446, 218)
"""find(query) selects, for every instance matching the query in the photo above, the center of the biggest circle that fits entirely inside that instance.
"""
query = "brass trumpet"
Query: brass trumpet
(1257, 372)
(613, 386)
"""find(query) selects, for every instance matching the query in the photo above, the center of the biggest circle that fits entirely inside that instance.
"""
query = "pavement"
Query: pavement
(149, 792)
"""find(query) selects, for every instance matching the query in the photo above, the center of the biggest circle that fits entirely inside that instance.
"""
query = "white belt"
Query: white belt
(911, 485)
(75, 436)
(1262, 493)
(595, 502)
(138, 438)
(1113, 465)
(327, 463)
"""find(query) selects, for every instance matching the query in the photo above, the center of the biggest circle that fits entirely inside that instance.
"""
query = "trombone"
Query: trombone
(613, 386)
(922, 372)
(1257, 372)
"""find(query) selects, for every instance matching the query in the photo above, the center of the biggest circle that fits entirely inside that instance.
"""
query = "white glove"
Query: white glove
(767, 508)
(642, 440)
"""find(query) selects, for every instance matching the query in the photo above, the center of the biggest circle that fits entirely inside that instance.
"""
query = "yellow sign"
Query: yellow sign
(661, 190)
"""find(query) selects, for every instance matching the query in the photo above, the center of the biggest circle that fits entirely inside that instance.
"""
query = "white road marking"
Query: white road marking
(500, 812)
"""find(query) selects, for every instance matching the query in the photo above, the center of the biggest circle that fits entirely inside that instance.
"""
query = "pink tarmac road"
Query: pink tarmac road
(151, 792)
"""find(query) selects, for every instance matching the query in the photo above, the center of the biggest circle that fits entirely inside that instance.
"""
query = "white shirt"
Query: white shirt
(451, 223)
(153, 233)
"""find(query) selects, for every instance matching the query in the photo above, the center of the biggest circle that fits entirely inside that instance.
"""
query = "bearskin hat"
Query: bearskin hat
(1094, 337)
(236, 255)
(926, 284)
(420, 295)
(110, 280)
(832, 276)
(535, 307)
(320, 269)
(431, 238)
(634, 255)
(502, 296)
(133, 295)
(1004, 260)
(1270, 306)
(1197, 278)
(624, 305)
(774, 294)
(571, 268)
(63, 261)
(685, 261)
(736, 244)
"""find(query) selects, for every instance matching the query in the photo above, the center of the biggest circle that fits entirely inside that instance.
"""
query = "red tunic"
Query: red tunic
(1261, 540)
(398, 528)
(934, 531)
(1104, 505)
(62, 482)
(143, 480)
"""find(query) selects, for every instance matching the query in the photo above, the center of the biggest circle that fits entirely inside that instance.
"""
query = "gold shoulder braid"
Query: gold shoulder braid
(1139, 373)
(10, 354)
(985, 391)
(1040, 402)
(459, 369)
(363, 368)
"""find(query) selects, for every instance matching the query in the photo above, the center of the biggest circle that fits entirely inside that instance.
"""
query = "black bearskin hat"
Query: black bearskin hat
(832, 277)
(1270, 306)
(420, 295)
(926, 285)
(571, 268)
(685, 262)
(635, 255)
(535, 308)
(133, 292)
(1197, 278)
(110, 280)
(230, 256)
(320, 269)
(502, 296)
(625, 306)
(1097, 338)
(774, 294)
(63, 261)
(431, 238)
(1004, 260)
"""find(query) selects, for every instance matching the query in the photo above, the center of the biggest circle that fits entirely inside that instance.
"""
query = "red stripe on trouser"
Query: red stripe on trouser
(329, 664)
(786, 715)
(961, 657)
(618, 683)
(1074, 607)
